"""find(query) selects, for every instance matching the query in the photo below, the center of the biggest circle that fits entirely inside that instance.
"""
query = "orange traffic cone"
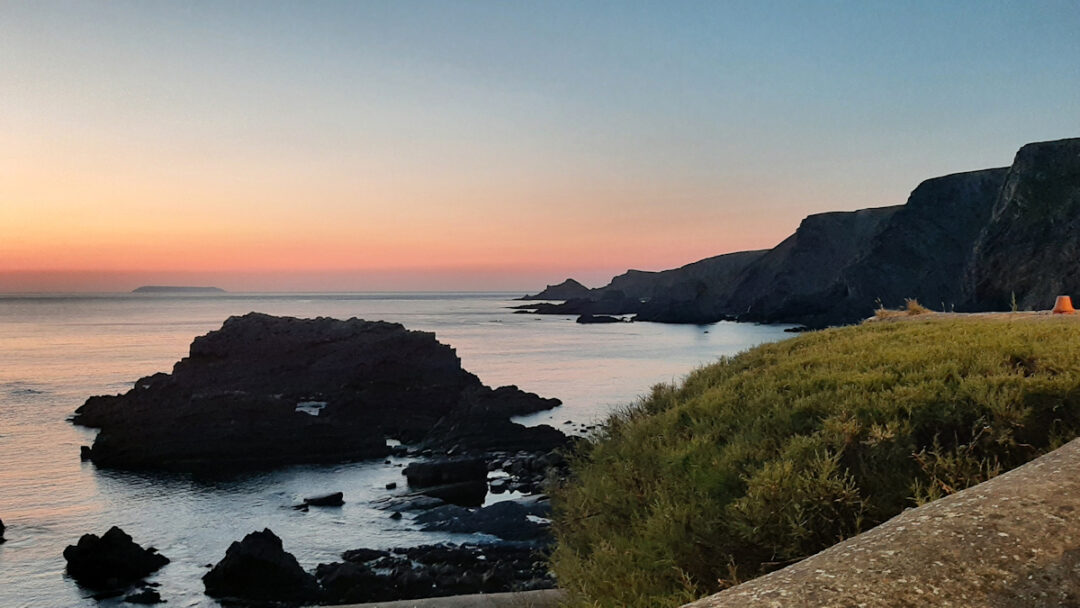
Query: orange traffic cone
(1063, 306)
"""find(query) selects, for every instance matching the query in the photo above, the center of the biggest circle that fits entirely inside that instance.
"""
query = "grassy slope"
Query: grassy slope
(775, 454)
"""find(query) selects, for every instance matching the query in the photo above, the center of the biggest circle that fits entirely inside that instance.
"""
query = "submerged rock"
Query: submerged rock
(111, 561)
(258, 568)
(328, 500)
(508, 520)
(435, 571)
(264, 391)
(445, 471)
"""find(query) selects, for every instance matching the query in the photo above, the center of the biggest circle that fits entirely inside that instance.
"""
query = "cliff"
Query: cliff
(966, 241)
(1031, 244)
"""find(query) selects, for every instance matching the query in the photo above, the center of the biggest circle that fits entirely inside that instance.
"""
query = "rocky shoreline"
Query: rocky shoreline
(264, 391)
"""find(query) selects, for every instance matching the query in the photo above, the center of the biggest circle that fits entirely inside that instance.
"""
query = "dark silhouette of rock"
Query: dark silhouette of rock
(463, 493)
(264, 391)
(508, 520)
(476, 432)
(2, 528)
(968, 241)
(258, 568)
(111, 561)
(444, 471)
(591, 319)
(1030, 246)
(435, 571)
(327, 500)
(566, 290)
(144, 596)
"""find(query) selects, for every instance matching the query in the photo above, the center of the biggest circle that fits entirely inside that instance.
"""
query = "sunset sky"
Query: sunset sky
(488, 145)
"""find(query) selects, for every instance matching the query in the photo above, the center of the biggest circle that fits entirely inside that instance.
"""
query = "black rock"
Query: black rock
(84, 453)
(362, 556)
(258, 568)
(392, 485)
(395, 515)
(465, 493)
(437, 570)
(145, 596)
(111, 561)
(2, 530)
(407, 502)
(264, 391)
(508, 520)
(446, 471)
(591, 319)
(328, 500)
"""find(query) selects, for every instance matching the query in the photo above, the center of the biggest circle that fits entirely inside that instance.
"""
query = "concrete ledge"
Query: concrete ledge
(1011, 542)
(547, 598)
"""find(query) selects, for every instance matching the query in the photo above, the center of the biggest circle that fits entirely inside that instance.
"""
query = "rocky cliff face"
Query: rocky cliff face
(266, 390)
(800, 277)
(1031, 244)
(966, 241)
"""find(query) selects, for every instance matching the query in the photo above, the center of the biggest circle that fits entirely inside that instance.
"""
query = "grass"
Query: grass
(765, 458)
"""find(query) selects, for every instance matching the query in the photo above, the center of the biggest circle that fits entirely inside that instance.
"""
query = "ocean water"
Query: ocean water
(57, 350)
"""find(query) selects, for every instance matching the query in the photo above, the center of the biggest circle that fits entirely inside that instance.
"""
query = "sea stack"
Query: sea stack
(266, 391)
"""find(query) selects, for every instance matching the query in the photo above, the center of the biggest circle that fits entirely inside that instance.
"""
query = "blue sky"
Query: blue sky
(402, 137)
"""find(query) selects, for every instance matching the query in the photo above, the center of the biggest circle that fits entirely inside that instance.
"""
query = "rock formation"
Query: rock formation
(112, 561)
(1031, 245)
(968, 241)
(264, 390)
(258, 568)
(433, 571)
(566, 290)
(1011, 541)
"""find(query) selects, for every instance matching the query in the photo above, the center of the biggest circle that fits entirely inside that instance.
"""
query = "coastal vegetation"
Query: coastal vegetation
(770, 456)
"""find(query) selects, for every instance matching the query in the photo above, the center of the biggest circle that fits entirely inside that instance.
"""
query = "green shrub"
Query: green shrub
(762, 459)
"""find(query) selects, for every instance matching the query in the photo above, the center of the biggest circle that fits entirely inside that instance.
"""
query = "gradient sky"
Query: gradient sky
(488, 145)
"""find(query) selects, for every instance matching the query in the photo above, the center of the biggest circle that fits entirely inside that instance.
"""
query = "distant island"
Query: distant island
(176, 289)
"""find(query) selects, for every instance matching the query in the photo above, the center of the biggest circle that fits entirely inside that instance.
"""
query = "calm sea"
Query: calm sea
(56, 350)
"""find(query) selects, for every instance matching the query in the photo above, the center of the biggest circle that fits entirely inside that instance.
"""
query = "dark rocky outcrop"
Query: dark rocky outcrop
(112, 561)
(444, 471)
(967, 241)
(2, 528)
(566, 290)
(596, 319)
(263, 391)
(434, 571)
(508, 520)
(1031, 245)
(335, 499)
(258, 568)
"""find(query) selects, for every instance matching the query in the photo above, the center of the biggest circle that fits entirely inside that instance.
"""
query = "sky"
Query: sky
(444, 145)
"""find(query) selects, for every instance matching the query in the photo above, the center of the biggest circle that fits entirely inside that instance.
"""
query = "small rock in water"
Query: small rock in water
(392, 485)
(395, 515)
(114, 560)
(146, 596)
(258, 568)
(328, 500)
(1, 530)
